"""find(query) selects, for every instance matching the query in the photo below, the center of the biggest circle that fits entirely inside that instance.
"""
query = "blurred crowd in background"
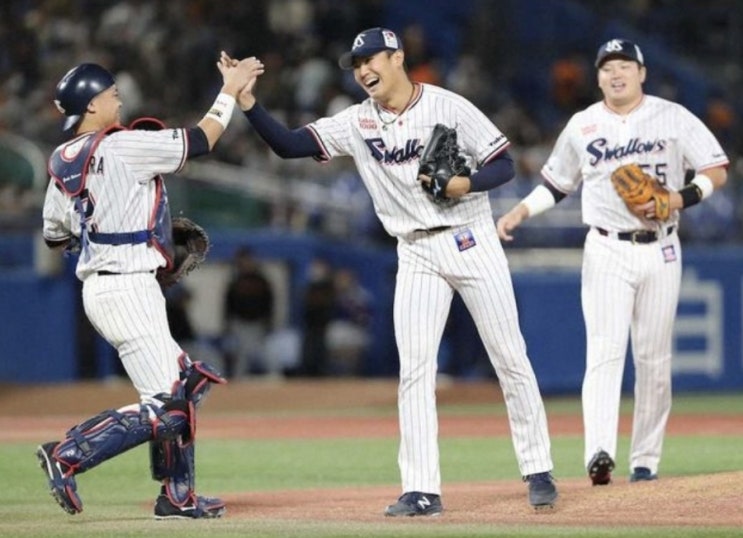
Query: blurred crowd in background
(527, 64)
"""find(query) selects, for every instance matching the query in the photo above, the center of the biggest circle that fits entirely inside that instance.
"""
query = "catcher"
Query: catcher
(107, 192)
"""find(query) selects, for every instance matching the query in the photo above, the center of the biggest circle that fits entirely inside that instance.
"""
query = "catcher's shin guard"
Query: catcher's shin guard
(172, 460)
(174, 465)
(113, 432)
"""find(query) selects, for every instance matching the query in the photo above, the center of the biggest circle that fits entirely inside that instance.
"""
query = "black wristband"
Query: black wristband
(691, 195)
(557, 195)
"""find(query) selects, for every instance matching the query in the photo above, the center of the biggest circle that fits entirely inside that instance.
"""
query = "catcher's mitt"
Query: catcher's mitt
(190, 245)
(636, 187)
(441, 161)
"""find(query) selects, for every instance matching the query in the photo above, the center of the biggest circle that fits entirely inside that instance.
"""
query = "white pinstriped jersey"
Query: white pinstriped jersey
(387, 147)
(121, 194)
(663, 137)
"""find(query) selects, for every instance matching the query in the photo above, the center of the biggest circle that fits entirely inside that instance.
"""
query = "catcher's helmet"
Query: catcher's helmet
(77, 88)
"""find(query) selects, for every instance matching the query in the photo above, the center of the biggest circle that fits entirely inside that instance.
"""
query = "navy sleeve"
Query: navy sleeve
(557, 195)
(286, 143)
(198, 143)
(493, 174)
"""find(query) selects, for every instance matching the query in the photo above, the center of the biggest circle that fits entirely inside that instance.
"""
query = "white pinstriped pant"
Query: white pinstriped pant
(431, 268)
(628, 286)
(129, 312)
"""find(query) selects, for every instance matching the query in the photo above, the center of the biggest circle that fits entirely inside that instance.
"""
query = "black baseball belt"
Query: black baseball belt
(109, 273)
(434, 230)
(636, 236)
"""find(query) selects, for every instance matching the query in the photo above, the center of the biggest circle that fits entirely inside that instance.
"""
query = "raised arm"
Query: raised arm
(286, 143)
(236, 76)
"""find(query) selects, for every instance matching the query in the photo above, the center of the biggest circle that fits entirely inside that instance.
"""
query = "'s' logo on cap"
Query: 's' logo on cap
(358, 42)
(614, 46)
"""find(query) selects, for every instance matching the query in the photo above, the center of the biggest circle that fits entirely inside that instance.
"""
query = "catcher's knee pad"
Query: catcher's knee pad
(197, 378)
(113, 432)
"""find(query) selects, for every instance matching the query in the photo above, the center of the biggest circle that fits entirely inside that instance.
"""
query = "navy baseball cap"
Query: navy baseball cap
(619, 48)
(368, 43)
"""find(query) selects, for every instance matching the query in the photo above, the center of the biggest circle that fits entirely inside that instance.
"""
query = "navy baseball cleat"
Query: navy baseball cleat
(198, 508)
(415, 503)
(642, 474)
(600, 468)
(542, 490)
(62, 488)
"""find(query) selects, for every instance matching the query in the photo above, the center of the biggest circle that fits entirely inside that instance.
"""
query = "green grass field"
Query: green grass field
(116, 493)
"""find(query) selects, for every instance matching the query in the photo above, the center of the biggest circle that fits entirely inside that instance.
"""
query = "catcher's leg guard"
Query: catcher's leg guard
(170, 459)
(175, 466)
(113, 432)
(104, 436)
(173, 460)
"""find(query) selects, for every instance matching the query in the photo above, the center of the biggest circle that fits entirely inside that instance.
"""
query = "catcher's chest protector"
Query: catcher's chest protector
(69, 166)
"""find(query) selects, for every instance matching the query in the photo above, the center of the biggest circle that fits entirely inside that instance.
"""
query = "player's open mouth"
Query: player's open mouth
(370, 83)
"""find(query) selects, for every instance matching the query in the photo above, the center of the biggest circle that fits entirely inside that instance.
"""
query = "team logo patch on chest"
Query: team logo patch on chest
(464, 239)
(602, 149)
(669, 254)
(396, 155)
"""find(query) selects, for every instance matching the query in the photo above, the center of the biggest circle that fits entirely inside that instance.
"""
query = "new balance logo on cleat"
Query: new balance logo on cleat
(415, 503)
(424, 503)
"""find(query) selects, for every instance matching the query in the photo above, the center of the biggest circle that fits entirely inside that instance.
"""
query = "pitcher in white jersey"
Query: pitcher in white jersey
(632, 262)
(442, 249)
(107, 197)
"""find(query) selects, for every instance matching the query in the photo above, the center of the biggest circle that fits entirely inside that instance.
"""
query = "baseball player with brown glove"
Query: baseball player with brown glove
(636, 187)
(630, 153)
(107, 194)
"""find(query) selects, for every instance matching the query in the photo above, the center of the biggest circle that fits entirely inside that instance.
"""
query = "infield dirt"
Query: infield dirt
(255, 409)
